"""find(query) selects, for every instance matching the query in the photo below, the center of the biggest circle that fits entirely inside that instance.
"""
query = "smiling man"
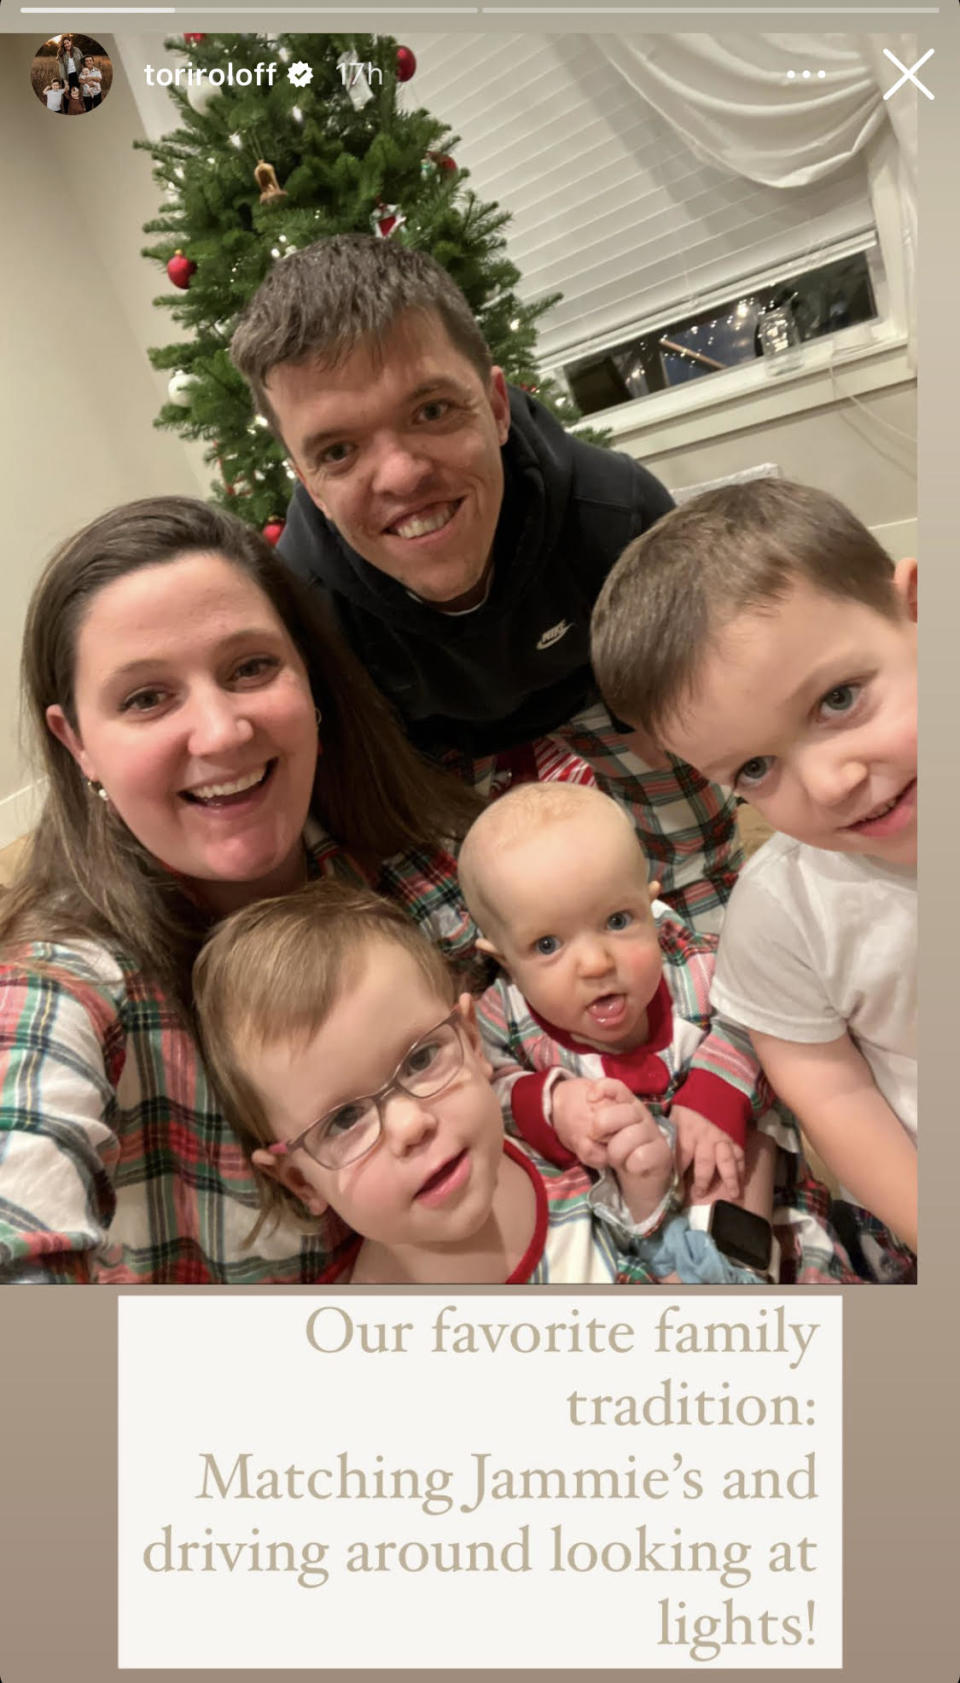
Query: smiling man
(462, 535)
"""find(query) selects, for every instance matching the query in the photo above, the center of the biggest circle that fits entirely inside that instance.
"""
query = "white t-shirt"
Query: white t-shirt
(53, 97)
(814, 943)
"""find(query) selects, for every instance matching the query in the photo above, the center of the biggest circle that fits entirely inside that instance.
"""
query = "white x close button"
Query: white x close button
(908, 75)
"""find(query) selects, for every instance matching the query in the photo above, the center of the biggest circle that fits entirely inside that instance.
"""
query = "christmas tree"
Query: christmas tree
(265, 163)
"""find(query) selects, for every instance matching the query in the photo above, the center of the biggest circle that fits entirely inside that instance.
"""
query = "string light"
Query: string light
(296, 113)
(236, 141)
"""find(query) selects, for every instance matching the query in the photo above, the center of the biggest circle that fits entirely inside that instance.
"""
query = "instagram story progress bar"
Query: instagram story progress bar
(279, 10)
(275, 12)
(543, 12)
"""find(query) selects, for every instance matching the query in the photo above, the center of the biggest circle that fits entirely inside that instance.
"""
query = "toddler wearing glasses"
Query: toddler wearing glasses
(359, 1085)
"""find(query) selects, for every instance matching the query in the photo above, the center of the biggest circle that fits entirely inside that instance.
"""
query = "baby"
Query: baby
(607, 1002)
(763, 635)
(359, 1084)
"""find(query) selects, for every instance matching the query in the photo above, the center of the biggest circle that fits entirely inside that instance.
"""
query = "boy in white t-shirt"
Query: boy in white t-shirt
(764, 636)
(53, 94)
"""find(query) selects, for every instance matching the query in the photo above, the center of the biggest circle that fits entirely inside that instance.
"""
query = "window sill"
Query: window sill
(849, 364)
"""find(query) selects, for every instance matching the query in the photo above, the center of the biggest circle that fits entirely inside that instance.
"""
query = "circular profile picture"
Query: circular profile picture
(71, 74)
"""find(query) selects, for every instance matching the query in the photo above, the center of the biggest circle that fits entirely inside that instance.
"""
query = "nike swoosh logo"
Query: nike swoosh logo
(554, 634)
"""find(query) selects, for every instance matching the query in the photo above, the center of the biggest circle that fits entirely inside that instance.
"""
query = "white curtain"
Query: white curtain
(732, 100)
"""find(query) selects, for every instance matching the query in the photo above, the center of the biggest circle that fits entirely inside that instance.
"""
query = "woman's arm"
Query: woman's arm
(847, 1120)
(57, 1142)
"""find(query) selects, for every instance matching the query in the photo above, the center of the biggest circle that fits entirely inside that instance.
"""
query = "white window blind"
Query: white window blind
(609, 205)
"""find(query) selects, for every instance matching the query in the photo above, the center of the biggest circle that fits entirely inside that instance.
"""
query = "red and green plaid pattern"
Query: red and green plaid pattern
(685, 823)
(577, 1247)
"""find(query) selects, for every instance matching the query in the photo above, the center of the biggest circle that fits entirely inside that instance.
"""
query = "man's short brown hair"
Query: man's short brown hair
(732, 551)
(349, 290)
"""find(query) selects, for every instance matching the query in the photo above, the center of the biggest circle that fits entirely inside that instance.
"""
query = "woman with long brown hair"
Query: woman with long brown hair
(207, 740)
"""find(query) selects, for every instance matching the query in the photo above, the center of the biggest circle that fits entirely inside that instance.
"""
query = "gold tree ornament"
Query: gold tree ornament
(265, 177)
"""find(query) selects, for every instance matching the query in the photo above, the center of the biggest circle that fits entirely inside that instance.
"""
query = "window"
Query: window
(822, 300)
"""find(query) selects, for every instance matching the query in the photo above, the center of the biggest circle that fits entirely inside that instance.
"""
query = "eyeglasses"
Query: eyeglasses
(349, 1131)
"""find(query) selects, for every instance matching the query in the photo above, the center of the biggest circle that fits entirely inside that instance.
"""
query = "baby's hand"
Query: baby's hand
(642, 1159)
(585, 1112)
(716, 1161)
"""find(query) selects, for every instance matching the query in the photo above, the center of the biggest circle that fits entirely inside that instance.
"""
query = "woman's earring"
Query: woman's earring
(96, 788)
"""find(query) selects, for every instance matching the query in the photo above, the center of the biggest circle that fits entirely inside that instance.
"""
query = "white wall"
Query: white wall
(76, 434)
(860, 454)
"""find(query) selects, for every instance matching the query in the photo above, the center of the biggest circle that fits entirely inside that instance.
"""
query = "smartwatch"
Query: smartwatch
(738, 1234)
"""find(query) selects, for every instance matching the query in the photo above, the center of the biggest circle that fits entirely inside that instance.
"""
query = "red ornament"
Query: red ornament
(193, 39)
(443, 160)
(385, 219)
(273, 530)
(180, 269)
(406, 64)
